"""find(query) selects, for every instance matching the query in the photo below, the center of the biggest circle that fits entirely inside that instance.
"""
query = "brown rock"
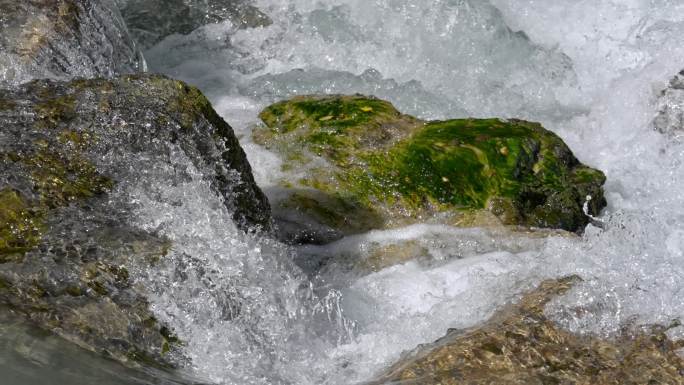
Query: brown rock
(520, 345)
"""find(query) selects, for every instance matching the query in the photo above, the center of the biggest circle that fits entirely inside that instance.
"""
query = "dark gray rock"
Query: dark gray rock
(670, 105)
(64, 39)
(68, 244)
(151, 20)
(30, 356)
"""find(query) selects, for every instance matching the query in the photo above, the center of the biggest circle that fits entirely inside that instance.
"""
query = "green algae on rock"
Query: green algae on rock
(68, 241)
(521, 345)
(365, 153)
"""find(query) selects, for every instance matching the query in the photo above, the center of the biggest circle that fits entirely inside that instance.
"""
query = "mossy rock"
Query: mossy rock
(364, 152)
(69, 152)
(20, 225)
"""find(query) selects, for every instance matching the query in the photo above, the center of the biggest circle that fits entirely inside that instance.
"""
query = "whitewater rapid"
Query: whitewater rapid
(590, 71)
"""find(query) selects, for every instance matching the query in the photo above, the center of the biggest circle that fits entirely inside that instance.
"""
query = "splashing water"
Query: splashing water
(589, 71)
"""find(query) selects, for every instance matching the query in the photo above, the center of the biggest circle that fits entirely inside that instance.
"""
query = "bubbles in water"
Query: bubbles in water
(243, 311)
(461, 51)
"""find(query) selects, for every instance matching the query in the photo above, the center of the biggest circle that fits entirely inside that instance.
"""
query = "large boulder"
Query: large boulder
(364, 165)
(150, 21)
(64, 39)
(67, 245)
(521, 345)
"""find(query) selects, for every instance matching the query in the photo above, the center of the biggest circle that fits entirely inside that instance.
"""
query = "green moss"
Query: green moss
(60, 176)
(79, 140)
(505, 209)
(21, 225)
(52, 110)
(60, 180)
(190, 103)
(7, 104)
(584, 175)
(336, 114)
(333, 127)
(169, 340)
(464, 163)
(74, 291)
(380, 158)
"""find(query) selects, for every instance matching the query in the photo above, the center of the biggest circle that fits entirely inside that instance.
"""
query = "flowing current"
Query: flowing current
(589, 71)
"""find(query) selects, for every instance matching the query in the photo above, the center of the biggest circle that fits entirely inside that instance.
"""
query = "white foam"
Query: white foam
(590, 71)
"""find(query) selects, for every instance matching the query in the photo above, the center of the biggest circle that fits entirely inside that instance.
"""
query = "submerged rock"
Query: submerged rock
(670, 116)
(68, 153)
(64, 39)
(520, 345)
(150, 21)
(364, 165)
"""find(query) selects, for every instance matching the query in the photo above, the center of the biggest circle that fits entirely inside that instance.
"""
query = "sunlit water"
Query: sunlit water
(590, 71)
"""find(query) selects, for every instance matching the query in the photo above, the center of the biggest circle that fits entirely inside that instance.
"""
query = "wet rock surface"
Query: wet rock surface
(64, 39)
(670, 107)
(34, 356)
(151, 21)
(68, 153)
(521, 345)
(364, 165)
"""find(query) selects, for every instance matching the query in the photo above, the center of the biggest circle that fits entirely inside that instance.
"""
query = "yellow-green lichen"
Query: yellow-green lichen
(52, 110)
(60, 180)
(21, 225)
(59, 177)
(77, 139)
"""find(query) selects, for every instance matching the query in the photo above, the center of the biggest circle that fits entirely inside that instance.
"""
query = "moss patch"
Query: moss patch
(61, 180)
(21, 225)
(189, 103)
(370, 154)
(333, 127)
(60, 175)
(52, 111)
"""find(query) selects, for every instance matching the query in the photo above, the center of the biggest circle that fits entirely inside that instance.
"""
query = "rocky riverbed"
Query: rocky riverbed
(294, 226)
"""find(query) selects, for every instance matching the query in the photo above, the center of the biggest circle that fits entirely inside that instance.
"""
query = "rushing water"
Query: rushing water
(590, 71)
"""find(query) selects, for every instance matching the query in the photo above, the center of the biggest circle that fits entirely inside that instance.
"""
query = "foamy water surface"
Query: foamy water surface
(590, 71)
